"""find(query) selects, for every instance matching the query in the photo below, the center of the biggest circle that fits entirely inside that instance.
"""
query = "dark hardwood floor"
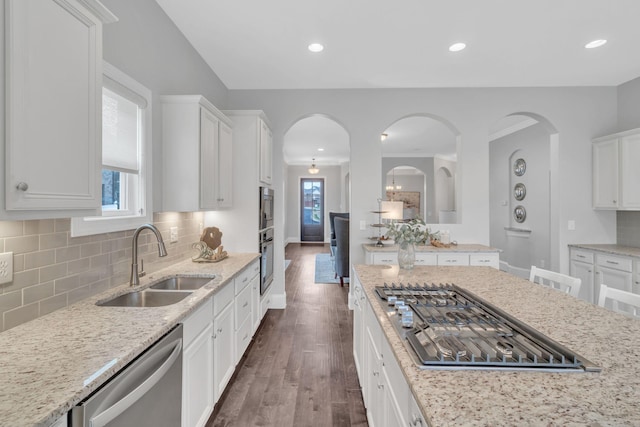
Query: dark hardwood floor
(299, 370)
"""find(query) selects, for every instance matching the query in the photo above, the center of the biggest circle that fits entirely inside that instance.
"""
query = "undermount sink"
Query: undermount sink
(146, 298)
(177, 283)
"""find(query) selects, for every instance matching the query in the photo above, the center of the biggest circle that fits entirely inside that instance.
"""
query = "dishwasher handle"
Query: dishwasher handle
(108, 415)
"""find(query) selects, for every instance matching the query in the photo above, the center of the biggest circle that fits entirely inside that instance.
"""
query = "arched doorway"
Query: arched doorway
(523, 160)
(324, 142)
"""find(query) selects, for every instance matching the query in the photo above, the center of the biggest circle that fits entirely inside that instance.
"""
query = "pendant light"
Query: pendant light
(313, 170)
(393, 185)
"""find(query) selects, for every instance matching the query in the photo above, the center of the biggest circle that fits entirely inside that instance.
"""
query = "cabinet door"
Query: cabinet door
(584, 272)
(54, 107)
(385, 258)
(255, 303)
(415, 414)
(223, 350)
(225, 167)
(266, 155)
(486, 260)
(605, 174)
(613, 278)
(630, 172)
(208, 159)
(197, 380)
(358, 324)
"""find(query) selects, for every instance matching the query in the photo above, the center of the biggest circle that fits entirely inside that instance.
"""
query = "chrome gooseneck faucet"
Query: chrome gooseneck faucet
(162, 251)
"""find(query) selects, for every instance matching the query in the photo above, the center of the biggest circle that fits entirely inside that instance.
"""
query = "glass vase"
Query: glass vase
(406, 255)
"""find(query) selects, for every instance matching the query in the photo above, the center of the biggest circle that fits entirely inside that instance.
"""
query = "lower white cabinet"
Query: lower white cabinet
(384, 389)
(223, 349)
(358, 326)
(441, 257)
(197, 367)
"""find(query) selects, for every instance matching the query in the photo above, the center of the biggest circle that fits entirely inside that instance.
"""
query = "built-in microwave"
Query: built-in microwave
(266, 208)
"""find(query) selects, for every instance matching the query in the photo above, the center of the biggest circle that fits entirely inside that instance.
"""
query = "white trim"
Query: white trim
(512, 129)
(105, 224)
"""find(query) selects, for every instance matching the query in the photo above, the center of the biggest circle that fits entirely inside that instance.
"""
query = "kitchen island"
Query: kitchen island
(50, 364)
(506, 398)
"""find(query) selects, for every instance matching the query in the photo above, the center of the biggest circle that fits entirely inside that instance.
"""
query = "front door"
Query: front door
(312, 209)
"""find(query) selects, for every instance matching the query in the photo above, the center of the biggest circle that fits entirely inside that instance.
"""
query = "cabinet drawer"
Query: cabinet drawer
(245, 276)
(615, 262)
(582, 256)
(487, 260)
(243, 305)
(453, 259)
(426, 259)
(223, 298)
(196, 322)
(386, 258)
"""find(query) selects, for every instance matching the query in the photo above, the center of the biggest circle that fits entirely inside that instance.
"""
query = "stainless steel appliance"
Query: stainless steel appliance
(266, 208)
(266, 253)
(447, 327)
(147, 392)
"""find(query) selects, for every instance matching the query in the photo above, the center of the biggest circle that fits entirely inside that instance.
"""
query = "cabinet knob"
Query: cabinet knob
(22, 186)
(416, 420)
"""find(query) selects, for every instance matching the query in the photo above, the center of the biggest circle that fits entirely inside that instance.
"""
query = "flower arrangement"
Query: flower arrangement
(412, 232)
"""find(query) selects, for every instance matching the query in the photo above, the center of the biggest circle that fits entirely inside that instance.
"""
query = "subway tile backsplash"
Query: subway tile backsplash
(628, 228)
(53, 270)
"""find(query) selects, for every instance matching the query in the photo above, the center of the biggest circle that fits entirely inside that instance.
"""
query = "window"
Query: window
(126, 157)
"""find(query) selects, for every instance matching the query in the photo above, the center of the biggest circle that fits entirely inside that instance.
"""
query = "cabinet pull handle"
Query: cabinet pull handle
(612, 262)
(245, 304)
(22, 186)
(580, 256)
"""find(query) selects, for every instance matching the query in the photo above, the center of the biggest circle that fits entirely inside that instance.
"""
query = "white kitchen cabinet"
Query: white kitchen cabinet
(243, 321)
(615, 173)
(582, 266)
(53, 82)
(197, 154)
(60, 422)
(358, 326)
(614, 271)
(256, 312)
(223, 339)
(265, 302)
(389, 256)
(453, 259)
(414, 414)
(266, 153)
(197, 367)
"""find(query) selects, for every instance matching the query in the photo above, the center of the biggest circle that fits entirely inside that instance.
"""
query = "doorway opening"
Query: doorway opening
(312, 209)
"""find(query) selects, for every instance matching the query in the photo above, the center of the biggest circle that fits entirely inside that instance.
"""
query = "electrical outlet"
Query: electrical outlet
(6, 267)
(571, 225)
(363, 224)
(174, 235)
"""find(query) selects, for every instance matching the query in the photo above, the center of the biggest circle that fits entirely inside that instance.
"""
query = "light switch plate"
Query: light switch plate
(6, 267)
(174, 235)
(571, 225)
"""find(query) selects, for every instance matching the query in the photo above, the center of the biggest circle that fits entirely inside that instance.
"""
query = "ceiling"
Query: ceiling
(376, 43)
(384, 44)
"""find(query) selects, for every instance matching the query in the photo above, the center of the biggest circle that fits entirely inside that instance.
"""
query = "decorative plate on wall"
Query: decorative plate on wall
(519, 167)
(519, 191)
(520, 214)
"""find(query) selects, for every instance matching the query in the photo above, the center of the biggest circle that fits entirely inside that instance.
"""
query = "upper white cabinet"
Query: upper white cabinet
(197, 155)
(53, 80)
(266, 153)
(616, 178)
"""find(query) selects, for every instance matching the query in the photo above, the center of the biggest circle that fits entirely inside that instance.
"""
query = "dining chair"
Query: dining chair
(630, 300)
(559, 281)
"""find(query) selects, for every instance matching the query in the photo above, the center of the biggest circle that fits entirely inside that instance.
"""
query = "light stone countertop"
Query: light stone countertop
(371, 247)
(509, 398)
(50, 364)
(610, 249)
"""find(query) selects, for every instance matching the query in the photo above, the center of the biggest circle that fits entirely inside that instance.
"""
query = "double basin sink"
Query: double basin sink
(167, 291)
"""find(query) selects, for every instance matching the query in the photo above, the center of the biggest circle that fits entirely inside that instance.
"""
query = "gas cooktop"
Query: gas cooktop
(447, 327)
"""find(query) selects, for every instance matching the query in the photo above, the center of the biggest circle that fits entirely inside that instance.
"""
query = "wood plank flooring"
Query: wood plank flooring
(299, 370)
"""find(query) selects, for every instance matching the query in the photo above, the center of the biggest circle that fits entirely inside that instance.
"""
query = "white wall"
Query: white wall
(579, 114)
(333, 183)
(629, 105)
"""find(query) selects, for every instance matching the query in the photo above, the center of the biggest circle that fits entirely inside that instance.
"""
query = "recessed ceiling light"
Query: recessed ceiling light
(595, 43)
(456, 47)
(316, 47)
(383, 136)
(320, 149)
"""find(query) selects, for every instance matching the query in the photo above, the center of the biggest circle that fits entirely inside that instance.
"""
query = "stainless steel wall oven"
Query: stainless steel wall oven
(266, 265)
(266, 208)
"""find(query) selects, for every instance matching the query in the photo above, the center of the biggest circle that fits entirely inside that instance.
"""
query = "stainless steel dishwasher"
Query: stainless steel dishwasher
(147, 392)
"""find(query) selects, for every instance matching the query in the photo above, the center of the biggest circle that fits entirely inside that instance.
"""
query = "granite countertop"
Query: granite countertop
(508, 398)
(50, 364)
(371, 247)
(610, 249)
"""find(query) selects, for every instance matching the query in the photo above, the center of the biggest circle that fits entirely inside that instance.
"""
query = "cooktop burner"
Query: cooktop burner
(448, 327)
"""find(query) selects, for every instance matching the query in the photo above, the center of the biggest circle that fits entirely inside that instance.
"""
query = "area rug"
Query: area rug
(324, 270)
